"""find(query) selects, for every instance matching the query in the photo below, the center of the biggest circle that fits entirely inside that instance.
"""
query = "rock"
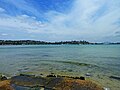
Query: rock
(5, 85)
(45, 55)
(88, 74)
(26, 68)
(77, 84)
(70, 70)
(82, 78)
(42, 89)
(3, 77)
(41, 74)
(51, 82)
(20, 70)
(115, 77)
(106, 88)
(51, 76)
(25, 80)
(27, 75)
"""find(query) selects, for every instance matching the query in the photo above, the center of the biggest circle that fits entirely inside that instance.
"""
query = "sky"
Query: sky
(60, 20)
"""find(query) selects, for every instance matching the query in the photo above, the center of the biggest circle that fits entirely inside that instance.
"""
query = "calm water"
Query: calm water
(101, 61)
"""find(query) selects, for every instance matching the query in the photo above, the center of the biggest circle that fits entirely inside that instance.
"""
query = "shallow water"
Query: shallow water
(100, 61)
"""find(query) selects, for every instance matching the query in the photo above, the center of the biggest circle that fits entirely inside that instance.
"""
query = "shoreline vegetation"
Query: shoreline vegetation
(34, 42)
(49, 82)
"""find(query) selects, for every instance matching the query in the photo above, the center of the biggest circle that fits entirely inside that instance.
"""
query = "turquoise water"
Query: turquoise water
(97, 60)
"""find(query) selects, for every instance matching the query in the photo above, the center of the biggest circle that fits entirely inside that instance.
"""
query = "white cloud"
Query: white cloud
(77, 24)
(23, 22)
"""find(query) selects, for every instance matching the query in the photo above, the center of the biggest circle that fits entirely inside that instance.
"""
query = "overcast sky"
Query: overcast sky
(56, 20)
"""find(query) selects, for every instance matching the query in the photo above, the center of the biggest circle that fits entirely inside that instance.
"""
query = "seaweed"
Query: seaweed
(77, 63)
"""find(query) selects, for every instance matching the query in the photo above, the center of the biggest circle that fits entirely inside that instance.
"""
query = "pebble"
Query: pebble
(106, 88)
(88, 74)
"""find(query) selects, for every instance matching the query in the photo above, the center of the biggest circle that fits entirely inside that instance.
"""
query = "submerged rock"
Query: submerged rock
(27, 75)
(115, 77)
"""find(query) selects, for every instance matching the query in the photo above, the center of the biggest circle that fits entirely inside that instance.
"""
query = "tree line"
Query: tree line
(33, 42)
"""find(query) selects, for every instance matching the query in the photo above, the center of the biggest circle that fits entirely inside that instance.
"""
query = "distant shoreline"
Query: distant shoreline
(33, 42)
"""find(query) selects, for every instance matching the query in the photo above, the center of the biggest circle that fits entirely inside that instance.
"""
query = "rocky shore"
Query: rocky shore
(50, 82)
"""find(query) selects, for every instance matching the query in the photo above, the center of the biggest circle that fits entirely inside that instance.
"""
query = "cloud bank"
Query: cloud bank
(96, 20)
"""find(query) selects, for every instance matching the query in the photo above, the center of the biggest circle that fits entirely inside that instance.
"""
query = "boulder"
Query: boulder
(52, 82)
(3, 77)
(5, 85)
